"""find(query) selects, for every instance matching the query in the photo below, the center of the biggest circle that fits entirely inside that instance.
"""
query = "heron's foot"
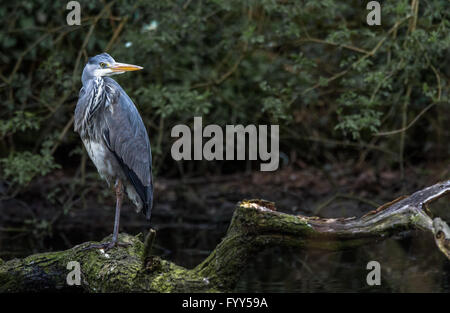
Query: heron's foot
(107, 245)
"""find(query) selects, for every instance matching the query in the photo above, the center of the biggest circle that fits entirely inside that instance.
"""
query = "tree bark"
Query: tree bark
(255, 225)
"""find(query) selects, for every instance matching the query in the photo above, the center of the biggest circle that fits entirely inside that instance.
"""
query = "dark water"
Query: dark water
(405, 267)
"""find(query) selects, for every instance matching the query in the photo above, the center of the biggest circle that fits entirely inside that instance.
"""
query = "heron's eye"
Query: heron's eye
(102, 65)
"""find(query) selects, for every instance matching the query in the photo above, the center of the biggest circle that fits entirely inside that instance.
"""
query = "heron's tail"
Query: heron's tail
(148, 204)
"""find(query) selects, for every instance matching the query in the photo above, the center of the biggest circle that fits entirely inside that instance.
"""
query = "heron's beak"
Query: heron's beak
(123, 67)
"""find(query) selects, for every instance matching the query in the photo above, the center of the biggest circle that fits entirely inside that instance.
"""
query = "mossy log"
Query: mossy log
(255, 225)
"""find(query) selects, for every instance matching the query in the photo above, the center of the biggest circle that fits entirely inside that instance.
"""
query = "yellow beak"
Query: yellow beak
(123, 67)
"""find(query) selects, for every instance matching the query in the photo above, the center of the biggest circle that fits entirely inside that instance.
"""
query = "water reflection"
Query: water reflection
(407, 265)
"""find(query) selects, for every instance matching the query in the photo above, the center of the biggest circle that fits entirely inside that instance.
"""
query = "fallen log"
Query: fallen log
(255, 225)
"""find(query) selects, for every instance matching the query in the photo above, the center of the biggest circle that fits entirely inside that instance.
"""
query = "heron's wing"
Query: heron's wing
(125, 135)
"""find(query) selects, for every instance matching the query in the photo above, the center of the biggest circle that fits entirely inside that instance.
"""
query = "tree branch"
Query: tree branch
(255, 225)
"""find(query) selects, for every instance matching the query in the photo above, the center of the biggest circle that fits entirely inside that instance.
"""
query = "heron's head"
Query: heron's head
(104, 65)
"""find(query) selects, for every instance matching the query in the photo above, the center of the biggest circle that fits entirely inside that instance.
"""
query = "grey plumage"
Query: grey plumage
(113, 131)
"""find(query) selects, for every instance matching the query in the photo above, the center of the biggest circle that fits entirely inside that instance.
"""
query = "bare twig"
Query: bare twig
(317, 40)
(62, 135)
(367, 55)
(393, 132)
(402, 134)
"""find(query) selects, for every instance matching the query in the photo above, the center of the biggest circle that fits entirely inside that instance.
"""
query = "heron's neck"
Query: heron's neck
(96, 97)
(87, 77)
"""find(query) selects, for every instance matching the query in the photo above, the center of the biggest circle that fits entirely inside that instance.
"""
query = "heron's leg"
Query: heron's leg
(114, 242)
(119, 197)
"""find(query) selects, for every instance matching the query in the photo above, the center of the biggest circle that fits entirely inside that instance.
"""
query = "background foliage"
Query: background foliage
(338, 88)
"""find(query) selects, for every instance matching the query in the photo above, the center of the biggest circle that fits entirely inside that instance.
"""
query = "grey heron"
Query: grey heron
(114, 136)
